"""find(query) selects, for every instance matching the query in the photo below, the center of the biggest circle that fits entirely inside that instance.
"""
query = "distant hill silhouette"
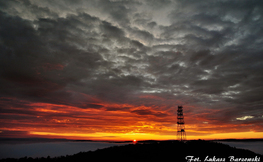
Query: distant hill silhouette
(175, 151)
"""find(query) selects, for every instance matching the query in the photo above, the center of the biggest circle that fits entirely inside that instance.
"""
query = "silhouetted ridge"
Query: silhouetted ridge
(175, 151)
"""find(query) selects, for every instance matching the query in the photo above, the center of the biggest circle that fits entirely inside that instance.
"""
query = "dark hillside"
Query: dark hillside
(153, 151)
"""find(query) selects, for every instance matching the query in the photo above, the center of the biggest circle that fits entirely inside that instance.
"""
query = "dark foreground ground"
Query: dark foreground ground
(175, 151)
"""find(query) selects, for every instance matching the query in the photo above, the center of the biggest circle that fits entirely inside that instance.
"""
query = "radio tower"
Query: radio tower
(181, 135)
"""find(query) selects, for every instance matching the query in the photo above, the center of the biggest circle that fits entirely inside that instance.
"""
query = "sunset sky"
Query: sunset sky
(118, 69)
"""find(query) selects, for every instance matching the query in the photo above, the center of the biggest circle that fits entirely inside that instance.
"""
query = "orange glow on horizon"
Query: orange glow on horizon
(111, 121)
(147, 136)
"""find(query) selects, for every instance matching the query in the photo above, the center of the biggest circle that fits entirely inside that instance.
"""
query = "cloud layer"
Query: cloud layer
(136, 58)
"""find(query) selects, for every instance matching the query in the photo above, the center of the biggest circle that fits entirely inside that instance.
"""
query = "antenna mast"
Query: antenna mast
(181, 135)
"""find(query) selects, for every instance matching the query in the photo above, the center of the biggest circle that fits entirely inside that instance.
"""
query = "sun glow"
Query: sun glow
(146, 136)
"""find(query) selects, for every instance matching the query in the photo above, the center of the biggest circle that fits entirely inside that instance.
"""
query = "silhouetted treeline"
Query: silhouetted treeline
(175, 151)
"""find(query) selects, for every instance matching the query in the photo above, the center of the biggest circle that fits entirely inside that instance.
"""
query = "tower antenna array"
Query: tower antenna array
(181, 135)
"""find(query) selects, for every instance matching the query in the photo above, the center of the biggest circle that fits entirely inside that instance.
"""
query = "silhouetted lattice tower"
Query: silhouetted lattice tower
(181, 135)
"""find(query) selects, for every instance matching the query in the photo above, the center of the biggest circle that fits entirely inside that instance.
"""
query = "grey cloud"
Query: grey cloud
(111, 31)
(151, 24)
(210, 52)
(28, 50)
(142, 35)
(27, 10)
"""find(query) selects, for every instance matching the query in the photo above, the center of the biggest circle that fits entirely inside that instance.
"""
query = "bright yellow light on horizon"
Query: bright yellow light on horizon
(238, 135)
(147, 136)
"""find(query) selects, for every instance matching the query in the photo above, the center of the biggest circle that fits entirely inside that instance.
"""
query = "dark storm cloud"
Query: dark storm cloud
(43, 61)
(36, 62)
(197, 53)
